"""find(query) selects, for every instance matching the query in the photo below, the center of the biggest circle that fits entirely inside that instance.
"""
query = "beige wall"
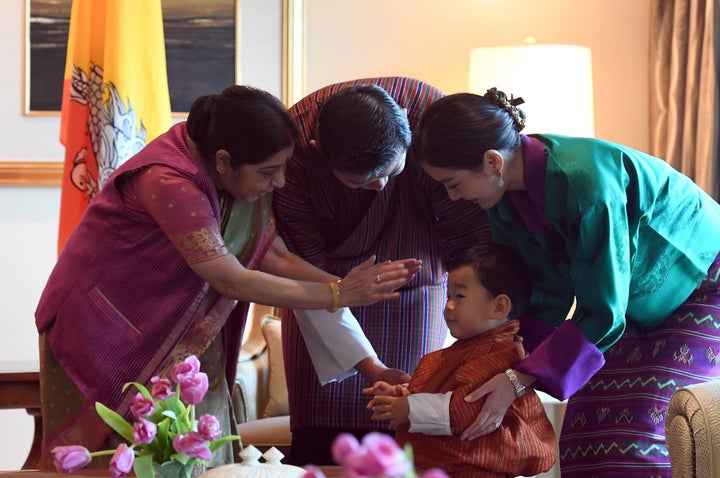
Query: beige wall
(431, 40)
(427, 39)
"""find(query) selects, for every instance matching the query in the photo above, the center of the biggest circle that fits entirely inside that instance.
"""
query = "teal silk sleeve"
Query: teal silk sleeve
(600, 271)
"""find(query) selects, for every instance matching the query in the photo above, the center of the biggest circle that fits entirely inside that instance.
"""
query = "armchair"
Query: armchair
(692, 431)
(260, 392)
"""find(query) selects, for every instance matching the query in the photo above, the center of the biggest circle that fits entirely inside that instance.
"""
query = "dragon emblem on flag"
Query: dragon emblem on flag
(111, 125)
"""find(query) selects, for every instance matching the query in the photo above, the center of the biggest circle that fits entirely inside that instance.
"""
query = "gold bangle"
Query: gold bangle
(335, 289)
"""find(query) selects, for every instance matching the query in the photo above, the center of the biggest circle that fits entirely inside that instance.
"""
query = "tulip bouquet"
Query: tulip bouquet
(165, 431)
(378, 456)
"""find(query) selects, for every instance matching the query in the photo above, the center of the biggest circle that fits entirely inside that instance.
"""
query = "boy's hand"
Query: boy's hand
(395, 409)
(384, 388)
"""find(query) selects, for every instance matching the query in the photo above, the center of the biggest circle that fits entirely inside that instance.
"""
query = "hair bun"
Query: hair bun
(198, 121)
(510, 105)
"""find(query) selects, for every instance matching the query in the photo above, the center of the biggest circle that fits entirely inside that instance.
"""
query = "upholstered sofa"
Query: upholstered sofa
(692, 431)
(260, 392)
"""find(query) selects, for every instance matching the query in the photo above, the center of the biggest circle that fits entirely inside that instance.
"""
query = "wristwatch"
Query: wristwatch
(520, 389)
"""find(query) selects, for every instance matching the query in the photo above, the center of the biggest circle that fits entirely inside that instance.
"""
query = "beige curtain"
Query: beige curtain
(684, 88)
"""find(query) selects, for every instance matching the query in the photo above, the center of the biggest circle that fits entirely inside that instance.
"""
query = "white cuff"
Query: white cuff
(430, 413)
(335, 342)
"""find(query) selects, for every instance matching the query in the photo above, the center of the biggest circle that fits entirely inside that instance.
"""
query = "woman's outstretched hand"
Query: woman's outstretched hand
(368, 282)
(499, 394)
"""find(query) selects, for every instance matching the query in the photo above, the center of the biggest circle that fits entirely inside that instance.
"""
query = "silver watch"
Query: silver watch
(520, 389)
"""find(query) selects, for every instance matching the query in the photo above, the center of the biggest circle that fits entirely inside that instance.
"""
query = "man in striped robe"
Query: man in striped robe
(352, 192)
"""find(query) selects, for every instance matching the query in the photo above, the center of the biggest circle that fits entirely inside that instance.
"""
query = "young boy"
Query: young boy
(488, 288)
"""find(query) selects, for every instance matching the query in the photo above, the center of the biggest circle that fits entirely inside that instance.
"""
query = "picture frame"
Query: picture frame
(200, 49)
(291, 80)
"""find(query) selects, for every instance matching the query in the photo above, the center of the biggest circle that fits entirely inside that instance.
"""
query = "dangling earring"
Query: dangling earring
(501, 181)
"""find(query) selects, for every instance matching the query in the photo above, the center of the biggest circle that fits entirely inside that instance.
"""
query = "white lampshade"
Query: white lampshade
(554, 80)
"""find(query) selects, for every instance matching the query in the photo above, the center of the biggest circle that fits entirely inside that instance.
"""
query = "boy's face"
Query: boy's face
(470, 308)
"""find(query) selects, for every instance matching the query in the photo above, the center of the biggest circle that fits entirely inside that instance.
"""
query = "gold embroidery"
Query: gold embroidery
(658, 345)
(578, 420)
(712, 356)
(624, 416)
(657, 415)
(199, 245)
(684, 355)
(634, 356)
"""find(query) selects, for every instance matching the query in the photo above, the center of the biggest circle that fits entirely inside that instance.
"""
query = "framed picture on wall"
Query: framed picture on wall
(200, 49)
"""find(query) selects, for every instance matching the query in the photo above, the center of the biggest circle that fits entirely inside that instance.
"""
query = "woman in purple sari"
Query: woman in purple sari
(165, 260)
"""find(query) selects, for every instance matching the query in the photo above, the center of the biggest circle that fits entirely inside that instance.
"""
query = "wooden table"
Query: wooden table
(20, 388)
(330, 472)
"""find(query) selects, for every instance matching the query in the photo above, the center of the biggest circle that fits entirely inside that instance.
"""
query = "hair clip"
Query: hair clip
(500, 99)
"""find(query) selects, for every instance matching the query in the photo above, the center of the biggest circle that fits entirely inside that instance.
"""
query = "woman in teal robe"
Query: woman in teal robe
(623, 253)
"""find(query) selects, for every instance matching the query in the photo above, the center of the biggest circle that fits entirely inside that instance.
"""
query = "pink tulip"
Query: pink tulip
(434, 473)
(193, 387)
(343, 445)
(141, 407)
(122, 461)
(209, 427)
(379, 455)
(313, 472)
(192, 444)
(69, 459)
(190, 366)
(161, 388)
(144, 431)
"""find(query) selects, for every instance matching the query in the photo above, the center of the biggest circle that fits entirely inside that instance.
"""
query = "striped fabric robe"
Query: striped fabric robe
(524, 444)
(336, 228)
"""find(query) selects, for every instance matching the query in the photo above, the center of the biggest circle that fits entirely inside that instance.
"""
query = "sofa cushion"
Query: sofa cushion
(277, 404)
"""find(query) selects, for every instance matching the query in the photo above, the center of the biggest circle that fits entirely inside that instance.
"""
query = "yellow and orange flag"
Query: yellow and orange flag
(115, 95)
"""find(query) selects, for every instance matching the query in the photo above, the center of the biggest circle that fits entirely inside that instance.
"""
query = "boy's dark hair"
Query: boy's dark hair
(501, 271)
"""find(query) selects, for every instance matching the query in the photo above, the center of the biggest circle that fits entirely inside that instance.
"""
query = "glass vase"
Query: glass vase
(174, 469)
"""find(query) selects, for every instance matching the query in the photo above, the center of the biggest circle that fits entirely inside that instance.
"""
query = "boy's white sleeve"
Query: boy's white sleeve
(335, 342)
(430, 413)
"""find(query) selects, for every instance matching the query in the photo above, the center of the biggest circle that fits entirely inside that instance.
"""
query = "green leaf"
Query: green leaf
(181, 458)
(140, 387)
(115, 421)
(221, 441)
(409, 455)
(170, 413)
(143, 466)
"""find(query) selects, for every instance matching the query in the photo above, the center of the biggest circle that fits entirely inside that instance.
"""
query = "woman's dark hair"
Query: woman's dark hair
(455, 131)
(361, 130)
(249, 123)
(501, 271)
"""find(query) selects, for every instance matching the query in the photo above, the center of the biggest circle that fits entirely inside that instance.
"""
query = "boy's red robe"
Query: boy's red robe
(524, 444)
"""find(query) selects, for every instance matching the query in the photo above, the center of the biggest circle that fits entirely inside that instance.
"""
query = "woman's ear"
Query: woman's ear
(502, 306)
(222, 161)
(314, 144)
(494, 161)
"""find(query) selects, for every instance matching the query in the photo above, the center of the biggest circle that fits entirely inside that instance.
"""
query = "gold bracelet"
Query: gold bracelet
(335, 289)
